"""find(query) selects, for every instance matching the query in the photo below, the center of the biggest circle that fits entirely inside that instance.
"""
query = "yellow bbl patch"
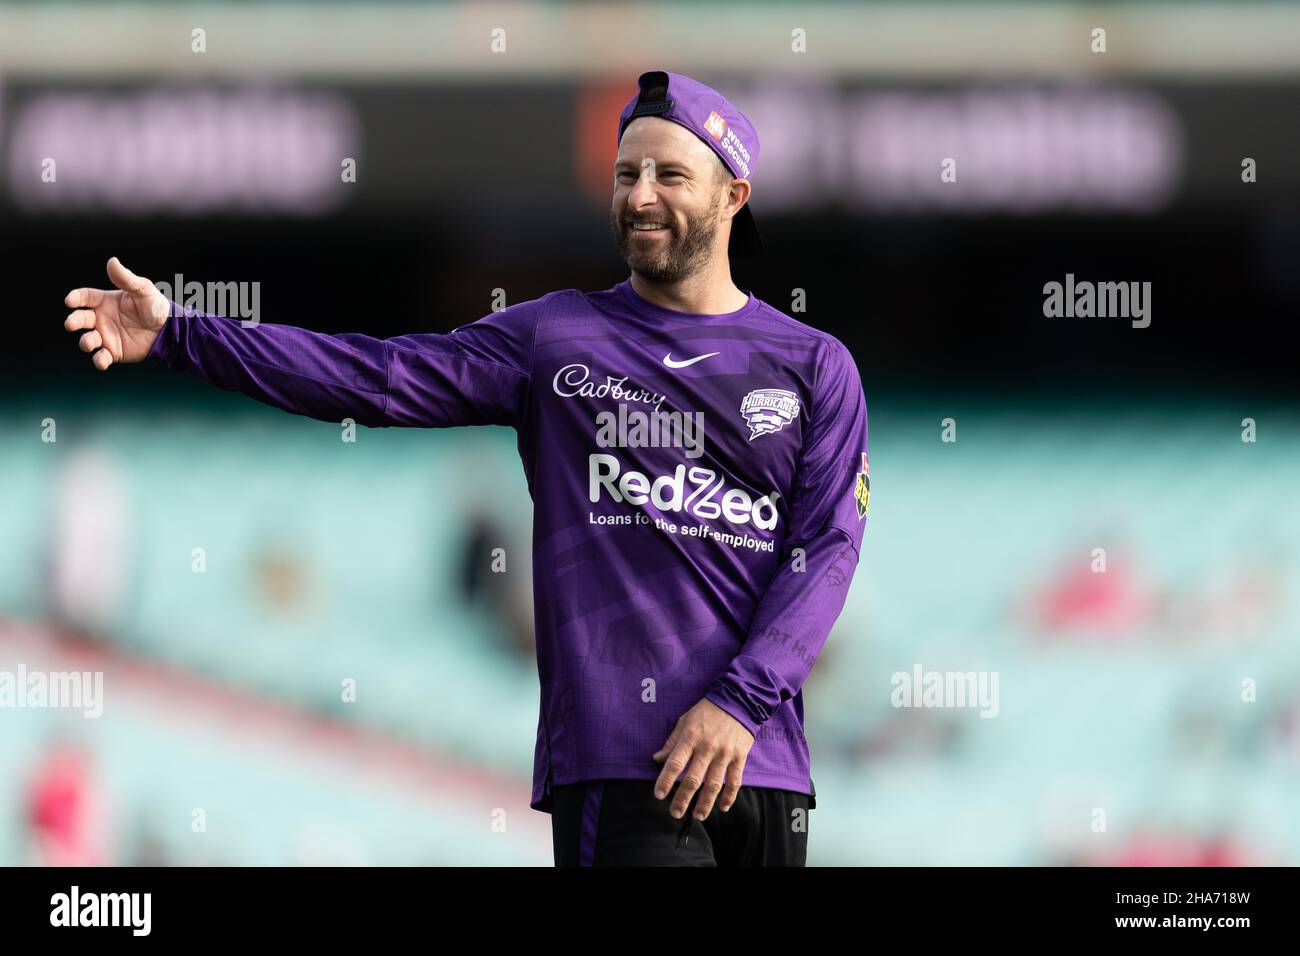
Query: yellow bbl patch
(862, 489)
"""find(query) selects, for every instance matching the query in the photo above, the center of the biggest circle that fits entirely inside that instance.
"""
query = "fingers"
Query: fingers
(690, 782)
(673, 767)
(84, 299)
(81, 319)
(713, 783)
(735, 774)
(91, 340)
(125, 279)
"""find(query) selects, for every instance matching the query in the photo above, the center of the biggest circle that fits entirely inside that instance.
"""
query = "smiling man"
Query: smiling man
(698, 467)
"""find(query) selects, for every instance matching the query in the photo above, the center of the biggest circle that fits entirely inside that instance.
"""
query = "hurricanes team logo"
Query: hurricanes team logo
(862, 489)
(768, 410)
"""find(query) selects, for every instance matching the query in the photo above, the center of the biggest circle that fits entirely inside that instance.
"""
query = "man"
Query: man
(698, 467)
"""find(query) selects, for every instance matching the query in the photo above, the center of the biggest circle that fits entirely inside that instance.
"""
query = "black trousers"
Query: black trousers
(620, 823)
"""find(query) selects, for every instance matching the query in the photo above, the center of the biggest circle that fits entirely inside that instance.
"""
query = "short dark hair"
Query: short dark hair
(721, 174)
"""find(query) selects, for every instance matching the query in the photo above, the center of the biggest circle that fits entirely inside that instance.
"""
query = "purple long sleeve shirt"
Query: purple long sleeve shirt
(700, 490)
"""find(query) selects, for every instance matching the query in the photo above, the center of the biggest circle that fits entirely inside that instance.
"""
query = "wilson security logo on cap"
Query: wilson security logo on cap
(734, 148)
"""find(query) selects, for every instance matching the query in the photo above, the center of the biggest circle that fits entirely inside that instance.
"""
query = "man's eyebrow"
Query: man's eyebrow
(670, 165)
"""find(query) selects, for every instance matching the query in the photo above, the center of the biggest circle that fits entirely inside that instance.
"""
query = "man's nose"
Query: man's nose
(643, 191)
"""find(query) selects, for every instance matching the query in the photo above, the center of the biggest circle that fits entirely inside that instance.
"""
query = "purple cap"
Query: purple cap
(707, 114)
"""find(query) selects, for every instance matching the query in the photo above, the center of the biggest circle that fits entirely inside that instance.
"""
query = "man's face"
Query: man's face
(664, 178)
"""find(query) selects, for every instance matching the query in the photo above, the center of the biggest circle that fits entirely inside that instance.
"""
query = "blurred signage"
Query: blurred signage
(181, 151)
(469, 150)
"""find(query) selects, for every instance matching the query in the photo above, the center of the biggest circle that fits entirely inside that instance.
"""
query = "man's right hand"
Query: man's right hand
(121, 324)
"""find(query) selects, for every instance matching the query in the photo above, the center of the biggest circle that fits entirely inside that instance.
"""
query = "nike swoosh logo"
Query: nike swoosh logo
(668, 359)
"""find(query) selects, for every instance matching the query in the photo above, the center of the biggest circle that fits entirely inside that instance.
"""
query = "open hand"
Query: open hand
(121, 324)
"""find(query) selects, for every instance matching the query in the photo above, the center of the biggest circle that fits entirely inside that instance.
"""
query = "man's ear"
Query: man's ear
(737, 195)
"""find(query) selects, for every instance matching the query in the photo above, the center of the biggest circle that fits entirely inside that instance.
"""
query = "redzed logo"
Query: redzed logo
(715, 125)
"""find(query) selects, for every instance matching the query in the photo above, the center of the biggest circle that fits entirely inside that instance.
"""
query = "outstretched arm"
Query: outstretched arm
(476, 375)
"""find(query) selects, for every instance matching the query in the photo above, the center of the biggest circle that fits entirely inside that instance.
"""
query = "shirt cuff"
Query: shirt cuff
(168, 338)
(723, 699)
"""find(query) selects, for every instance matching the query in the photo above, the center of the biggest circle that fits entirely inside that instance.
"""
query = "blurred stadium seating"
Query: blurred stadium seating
(1140, 713)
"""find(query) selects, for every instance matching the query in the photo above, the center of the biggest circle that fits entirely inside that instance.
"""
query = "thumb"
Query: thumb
(125, 279)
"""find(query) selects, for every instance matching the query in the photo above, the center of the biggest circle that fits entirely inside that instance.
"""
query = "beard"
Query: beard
(684, 254)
